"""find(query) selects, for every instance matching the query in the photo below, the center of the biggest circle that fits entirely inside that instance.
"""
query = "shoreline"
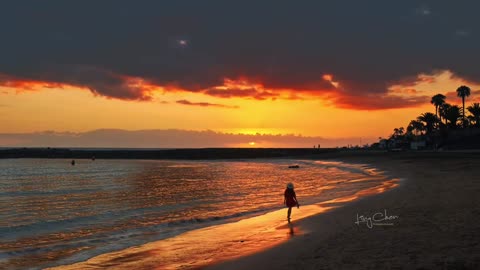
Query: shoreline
(436, 203)
(202, 247)
(437, 227)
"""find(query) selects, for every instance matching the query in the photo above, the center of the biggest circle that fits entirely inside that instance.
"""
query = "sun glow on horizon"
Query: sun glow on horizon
(73, 109)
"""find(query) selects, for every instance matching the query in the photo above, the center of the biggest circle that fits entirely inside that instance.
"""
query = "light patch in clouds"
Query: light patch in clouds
(462, 33)
(423, 10)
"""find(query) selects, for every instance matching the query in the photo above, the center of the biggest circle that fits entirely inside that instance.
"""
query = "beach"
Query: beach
(438, 209)
(430, 221)
(423, 214)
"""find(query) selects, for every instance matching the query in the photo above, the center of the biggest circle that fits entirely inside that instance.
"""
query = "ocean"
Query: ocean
(53, 213)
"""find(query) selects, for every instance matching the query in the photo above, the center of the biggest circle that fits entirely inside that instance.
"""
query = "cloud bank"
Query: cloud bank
(115, 138)
(349, 52)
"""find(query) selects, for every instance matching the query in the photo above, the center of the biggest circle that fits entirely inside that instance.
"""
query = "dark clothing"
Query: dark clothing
(290, 198)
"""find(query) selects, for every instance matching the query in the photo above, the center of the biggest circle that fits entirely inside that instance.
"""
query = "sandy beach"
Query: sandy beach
(428, 221)
(437, 207)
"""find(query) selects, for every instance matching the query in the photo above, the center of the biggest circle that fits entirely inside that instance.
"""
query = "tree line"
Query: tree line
(432, 127)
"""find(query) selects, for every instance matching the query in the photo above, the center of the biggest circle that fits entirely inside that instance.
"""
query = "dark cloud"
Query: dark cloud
(98, 81)
(121, 49)
(378, 102)
(204, 104)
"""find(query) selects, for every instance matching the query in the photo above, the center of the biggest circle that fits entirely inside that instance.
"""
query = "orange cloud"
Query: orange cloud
(204, 104)
(115, 86)
(377, 102)
(404, 91)
(118, 86)
(454, 99)
(241, 88)
(25, 84)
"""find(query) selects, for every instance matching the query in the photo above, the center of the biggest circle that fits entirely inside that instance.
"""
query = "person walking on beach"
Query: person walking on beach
(290, 199)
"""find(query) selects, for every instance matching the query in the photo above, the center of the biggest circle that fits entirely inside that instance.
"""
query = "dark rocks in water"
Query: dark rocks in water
(293, 167)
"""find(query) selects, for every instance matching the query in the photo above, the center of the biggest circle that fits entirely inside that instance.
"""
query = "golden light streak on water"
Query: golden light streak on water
(214, 244)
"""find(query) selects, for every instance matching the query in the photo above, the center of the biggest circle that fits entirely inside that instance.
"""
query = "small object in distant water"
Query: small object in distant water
(293, 167)
(93, 158)
(73, 162)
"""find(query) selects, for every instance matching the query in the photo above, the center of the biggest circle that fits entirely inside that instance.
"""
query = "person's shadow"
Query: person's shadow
(291, 231)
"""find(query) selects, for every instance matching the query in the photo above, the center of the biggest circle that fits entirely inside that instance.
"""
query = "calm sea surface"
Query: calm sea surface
(52, 213)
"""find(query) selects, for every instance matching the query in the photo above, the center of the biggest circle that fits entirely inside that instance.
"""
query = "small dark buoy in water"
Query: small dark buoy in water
(293, 167)
(73, 162)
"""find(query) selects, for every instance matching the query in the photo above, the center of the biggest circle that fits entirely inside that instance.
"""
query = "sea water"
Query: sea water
(53, 213)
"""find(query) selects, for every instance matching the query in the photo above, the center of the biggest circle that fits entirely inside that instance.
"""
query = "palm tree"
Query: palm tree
(471, 120)
(475, 111)
(429, 119)
(443, 111)
(452, 115)
(397, 136)
(415, 127)
(463, 92)
(438, 100)
(398, 132)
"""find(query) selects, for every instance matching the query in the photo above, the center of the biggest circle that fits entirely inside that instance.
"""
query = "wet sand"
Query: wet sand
(437, 206)
(210, 245)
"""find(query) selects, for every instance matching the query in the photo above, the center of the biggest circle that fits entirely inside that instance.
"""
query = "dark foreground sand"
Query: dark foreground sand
(438, 224)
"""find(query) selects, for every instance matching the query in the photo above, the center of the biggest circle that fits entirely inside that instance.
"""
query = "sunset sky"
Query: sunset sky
(344, 71)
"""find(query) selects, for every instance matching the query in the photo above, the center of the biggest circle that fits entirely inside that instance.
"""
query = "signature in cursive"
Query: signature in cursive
(377, 219)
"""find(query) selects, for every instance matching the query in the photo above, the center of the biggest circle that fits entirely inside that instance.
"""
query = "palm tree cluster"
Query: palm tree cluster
(429, 126)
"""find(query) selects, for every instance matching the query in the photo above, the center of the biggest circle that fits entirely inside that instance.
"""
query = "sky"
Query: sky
(238, 72)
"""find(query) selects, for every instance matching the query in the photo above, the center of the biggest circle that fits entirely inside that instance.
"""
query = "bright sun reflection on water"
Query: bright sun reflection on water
(222, 242)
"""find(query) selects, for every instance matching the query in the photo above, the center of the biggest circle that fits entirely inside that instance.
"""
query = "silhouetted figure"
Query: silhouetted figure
(290, 200)
(318, 146)
(73, 162)
(93, 158)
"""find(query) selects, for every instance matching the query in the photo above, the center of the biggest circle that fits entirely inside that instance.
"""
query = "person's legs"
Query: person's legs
(289, 212)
